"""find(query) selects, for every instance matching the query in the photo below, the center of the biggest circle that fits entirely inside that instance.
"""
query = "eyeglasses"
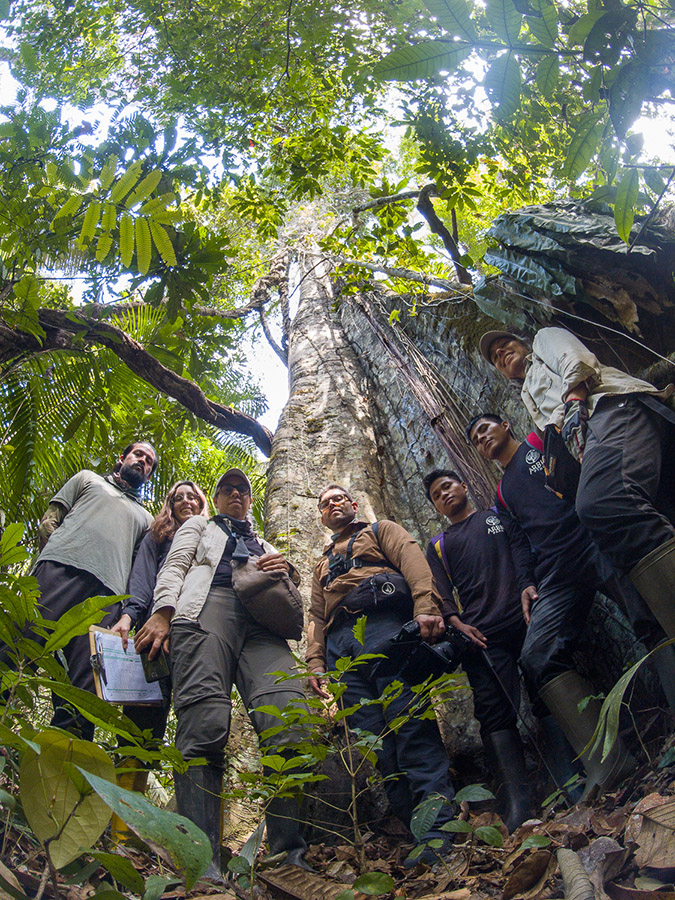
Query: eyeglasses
(336, 498)
(240, 488)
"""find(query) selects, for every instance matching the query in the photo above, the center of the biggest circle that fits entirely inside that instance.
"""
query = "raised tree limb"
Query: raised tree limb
(61, 331)
(426, 208)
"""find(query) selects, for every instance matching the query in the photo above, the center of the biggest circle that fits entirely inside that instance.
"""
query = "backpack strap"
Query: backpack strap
(500, 496)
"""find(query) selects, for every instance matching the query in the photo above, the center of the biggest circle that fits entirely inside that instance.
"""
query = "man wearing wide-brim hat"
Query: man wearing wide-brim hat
(620, 430)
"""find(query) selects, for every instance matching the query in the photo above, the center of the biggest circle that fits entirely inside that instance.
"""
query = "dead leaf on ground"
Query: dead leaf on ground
(609, 823)
(652, 828)
(461, 894)
(527, 874)
(341, 871)
(619, 892)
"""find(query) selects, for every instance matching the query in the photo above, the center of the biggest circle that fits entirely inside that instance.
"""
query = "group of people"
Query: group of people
(517, 579)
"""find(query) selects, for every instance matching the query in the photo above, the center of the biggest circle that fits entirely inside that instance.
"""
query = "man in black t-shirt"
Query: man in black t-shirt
(473, 569)
(552, 551)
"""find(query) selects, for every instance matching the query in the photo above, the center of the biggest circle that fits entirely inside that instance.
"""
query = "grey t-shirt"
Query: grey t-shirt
(100, 531)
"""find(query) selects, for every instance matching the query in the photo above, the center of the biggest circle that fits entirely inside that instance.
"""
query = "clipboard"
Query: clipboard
(118, 675)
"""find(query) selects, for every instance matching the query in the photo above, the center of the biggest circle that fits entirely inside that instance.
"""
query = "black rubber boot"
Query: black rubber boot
(664, 663)
(560, 758)
(654, 577)
(562, 696)
(283, 832)
(198, 799)
(507, 749)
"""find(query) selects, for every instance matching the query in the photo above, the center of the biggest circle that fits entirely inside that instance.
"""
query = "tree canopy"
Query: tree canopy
(163, 163)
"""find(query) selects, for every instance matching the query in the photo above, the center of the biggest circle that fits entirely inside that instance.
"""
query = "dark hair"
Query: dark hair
(429, 479)
(335, 487)
(131, 446)
(493, 417)
(165, 525)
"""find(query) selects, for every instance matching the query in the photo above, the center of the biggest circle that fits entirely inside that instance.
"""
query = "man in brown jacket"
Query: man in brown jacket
(363, 573)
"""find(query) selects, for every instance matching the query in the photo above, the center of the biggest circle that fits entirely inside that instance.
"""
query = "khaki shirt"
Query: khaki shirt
(396, 546)
(102, 527)
(184, 580)
(559, 362)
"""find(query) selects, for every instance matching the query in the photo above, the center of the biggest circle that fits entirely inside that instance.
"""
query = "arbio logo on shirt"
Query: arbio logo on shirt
(534, 460)
(494, 525)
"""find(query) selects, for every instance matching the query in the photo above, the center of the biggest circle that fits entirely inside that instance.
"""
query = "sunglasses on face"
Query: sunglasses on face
(228, 489)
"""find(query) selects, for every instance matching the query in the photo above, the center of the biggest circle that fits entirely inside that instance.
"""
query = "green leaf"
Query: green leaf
(374, 884)
(126, 239)
(624, 208)
(122, 870)
(168, 834)
(504, 19)
(545, 26)
(7, 801)
(108, 172)
(359, 630)
(421, 61)
(502, 85)
(4, 9)
(102, 714)
(628, 92)
(394, 316)
(11, 550)
(548, 73)
(51, 801)
(582, 27)
(143, 245)
(473, 793)
(69, 208)
(425, 814)
(103, 245)
(145, 188)
(535, 840)
(76, 621)
(91, 219)
(126, 182)
(163, 243)
(489, 835)
(453, 16)
(655, 181)
(457, 826)
(157, 884)
(583, 145)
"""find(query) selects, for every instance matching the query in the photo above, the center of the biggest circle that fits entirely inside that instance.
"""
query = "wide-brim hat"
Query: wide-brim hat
(490, 337)
(233, 471)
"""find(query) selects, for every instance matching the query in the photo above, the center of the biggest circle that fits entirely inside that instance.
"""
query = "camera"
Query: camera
(413, 660)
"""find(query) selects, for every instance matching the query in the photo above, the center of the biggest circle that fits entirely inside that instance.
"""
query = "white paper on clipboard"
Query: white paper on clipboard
(121, 673)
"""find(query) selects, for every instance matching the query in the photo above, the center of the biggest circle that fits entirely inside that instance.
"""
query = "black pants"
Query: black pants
(63, 587)
(496, 684)
(415, 753)
(558, 617)
(625, 496)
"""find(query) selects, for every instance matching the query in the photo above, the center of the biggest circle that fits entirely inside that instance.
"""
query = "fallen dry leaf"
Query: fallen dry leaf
(527, 874)
(652, 828)
(619, 892)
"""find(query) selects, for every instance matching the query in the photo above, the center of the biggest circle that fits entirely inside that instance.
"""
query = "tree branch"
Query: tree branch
(403, 274)
(61, 328)
(426, 208)
(282, 354)
(379, 202)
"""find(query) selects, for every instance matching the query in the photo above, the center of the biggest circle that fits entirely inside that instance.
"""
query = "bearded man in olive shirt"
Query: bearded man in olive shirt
(350, 581)
(88, 536)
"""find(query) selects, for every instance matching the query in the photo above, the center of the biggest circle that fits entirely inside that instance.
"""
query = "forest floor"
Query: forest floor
(624, 841)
